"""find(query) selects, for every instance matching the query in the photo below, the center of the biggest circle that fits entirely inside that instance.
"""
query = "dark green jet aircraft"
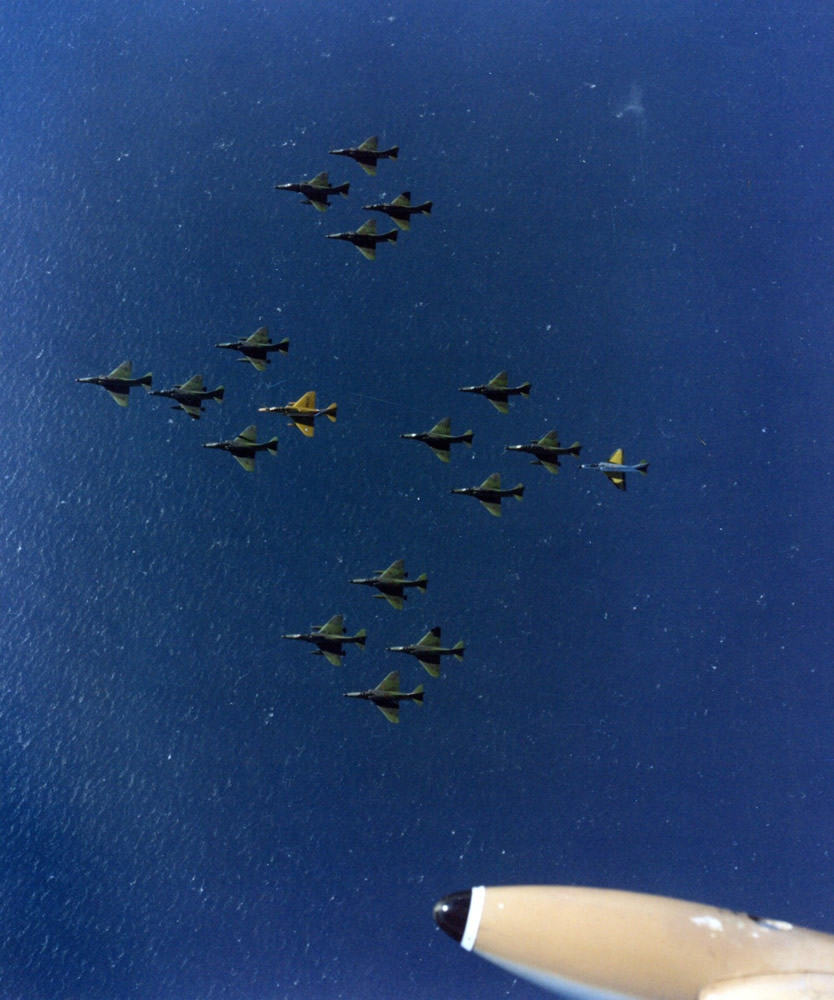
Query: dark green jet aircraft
(440, 438)
(365, 238)
(119, 382)
(190, 395)
(392, 582)
(245, 446)
(615, 468)
(257, 347)
(401, 209)
(428, 651)
(316, 191)
(330, 638)
(367, 154)
(490, 493)
(387, 696)
(498, 392)
(546, 450)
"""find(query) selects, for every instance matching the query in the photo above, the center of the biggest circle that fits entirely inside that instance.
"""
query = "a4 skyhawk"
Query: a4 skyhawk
(190, 395)
(245, 446)
(428, 651)
(498, 392)
(257, 347)
(367, 154)
(490, 493)
(440, 438)
(546, 450)
(615, 468)
(303, 412)
(365, 238)
(330, 638)
(391, 583)
(119, 382)
(387, 696)
(401, 209)
(316, 190)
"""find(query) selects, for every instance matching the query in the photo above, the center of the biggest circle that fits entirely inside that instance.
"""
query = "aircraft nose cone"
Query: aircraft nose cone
(451, 912)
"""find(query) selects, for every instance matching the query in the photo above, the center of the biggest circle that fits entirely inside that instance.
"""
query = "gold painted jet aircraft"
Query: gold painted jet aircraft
(392, 582)
(367, 154)
(303, 412)
(330, 638)
(119, 382)
(546, 450)
(615, 468)
(245, 446)
(316, 190)
(490, 493)
(428, 651)
(387, 696)
(366, 238)
(600, 944)
(190, 395)
(257, 347)
(440, 438)
(401, 209)
(498, 392)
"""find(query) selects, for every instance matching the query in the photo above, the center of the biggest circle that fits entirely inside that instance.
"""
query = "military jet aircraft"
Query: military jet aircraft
(401, 209)
(615, 469)
(367, 154)
(330, 638)
(440, 438)
(428, 651)
(392, 582)
(498, 392)
(316, 190)
(547, 450)
(303, 412)
(490, 493)
(387, 696)
(190, 395)
(119, 382)
(365, 238)
(257, 347)
(245, 446)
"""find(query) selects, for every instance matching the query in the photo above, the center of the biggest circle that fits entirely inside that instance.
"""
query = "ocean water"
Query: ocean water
(631, 211)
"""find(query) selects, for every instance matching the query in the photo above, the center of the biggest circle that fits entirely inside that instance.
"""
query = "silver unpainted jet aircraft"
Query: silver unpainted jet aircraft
(615, 468)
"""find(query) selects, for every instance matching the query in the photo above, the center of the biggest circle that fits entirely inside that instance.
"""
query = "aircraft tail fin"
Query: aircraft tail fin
(518, 491)
(361, 638)
(643, 467)
(459, 648)
(524, 389)
(330, 412)
(283, 345)
(425, 208)
(218, 394)
(575, 448)
(422, 582)
(272, 446)
(343, 189)
(147, 382)
(418, 694)
(467, 438)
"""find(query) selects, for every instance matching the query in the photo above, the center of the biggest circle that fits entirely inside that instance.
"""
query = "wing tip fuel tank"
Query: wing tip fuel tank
(598, 944)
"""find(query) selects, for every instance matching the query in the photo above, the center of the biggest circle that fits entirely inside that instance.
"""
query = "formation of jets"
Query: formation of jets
(318, 190)
(331, 639)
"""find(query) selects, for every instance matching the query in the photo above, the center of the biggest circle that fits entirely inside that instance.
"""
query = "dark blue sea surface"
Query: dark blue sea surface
(632, 210)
